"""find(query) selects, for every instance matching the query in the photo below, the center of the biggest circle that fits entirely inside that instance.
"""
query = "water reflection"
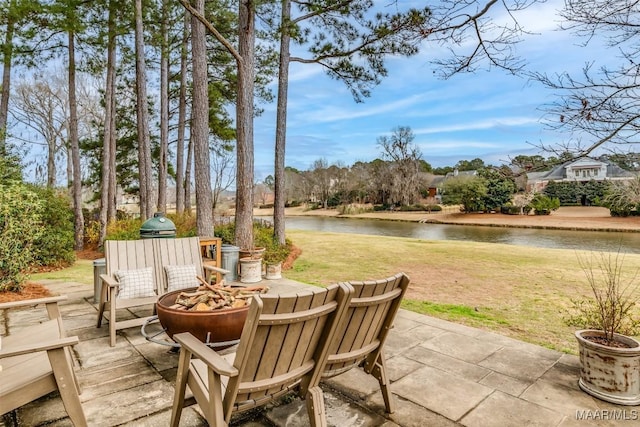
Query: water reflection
(562, 239)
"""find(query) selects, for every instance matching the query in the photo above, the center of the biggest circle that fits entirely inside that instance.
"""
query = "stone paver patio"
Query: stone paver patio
(443, 374)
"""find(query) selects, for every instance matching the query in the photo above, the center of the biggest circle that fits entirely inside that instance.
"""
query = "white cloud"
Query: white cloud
(478, 124)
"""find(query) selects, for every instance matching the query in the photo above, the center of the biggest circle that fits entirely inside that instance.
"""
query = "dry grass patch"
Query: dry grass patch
(517, 291)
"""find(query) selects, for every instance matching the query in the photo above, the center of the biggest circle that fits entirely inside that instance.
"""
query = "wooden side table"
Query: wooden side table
(211, 251)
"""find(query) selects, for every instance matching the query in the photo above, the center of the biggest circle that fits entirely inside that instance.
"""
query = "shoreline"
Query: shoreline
(577, 218)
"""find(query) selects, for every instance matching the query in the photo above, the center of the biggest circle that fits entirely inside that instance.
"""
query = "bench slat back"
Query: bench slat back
(284, 343)
(365, 326)
(155, 253)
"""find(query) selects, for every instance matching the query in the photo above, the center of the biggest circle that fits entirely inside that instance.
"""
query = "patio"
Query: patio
(443, 374)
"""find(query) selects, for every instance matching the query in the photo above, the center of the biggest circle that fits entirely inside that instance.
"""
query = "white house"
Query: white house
(581, 170)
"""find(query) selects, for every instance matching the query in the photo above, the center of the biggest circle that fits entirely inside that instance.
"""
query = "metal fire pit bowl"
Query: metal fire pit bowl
(216, 326)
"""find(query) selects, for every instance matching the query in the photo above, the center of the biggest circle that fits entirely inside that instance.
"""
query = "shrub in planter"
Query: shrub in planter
(610, 360)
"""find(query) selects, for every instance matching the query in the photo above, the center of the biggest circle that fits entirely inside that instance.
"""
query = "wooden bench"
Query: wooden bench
(137, 255)
(36, 361)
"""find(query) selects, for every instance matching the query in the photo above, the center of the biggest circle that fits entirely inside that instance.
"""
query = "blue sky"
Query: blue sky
(490, 115)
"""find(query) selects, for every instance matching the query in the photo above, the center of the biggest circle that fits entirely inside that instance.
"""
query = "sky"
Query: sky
(489, 115)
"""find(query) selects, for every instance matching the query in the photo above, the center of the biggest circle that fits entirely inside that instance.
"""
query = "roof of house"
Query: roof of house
(560, 172)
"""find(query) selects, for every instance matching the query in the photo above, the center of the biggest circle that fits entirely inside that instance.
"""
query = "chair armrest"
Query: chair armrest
(218, 269)
(204, 353)
(110, 281)
(32, 302)
(41, 346)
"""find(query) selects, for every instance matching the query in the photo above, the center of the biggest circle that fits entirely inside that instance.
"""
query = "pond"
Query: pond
(627, 242)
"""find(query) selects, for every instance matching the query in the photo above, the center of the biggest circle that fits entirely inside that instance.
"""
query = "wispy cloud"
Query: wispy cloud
(479, 124)
(491, 115)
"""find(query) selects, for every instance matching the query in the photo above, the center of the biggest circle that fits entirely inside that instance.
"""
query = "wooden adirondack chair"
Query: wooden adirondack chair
(36, 361)
(364, 328)
(135, 256)
(284, 346)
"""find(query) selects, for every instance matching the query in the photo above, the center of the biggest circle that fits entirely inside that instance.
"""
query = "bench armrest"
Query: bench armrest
(212, 359)
(36, 347)
(109, 280)
(32, 302)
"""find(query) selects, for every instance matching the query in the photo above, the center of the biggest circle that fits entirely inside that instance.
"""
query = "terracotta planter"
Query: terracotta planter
(208, 326)
(609, 373)
(274, 271)
(252, 253)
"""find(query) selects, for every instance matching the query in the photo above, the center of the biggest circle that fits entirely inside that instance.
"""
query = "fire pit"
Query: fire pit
(213, 326)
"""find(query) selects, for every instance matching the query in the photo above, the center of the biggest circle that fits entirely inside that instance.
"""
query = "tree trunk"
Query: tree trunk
(69, 167)
(144, 145)
(200, 126)
(107, 196)
(7, 56)
(164, 110)
(244, 126)
(187, 176)
(182, 117)
(280, 197)
(51, 164)
(75, 148)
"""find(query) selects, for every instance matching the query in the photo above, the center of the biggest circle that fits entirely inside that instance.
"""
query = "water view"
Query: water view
(628, 242)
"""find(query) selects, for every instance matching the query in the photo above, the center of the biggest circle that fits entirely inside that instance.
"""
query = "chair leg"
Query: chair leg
(180, 387)
(112, 318)
(379, 371)
(315, 407)
(65, 380)
(101, 304)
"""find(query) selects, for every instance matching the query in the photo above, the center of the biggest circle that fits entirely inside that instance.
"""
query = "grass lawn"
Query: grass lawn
(522, 292)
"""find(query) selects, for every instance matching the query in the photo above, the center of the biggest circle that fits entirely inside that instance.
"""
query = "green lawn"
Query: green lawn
(518, 291)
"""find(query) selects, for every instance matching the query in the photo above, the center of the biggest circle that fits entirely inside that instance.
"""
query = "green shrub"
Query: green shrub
(262, 237)
(543, 205)
(185, 224)
(21, 225)
(510, 210)
(10, 167)
(226, 232)
(352, 209)
(383, 207)
(412, 208)
(124, 229)
(55, 246)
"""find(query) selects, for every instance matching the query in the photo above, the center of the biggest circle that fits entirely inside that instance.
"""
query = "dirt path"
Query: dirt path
(577, 218)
